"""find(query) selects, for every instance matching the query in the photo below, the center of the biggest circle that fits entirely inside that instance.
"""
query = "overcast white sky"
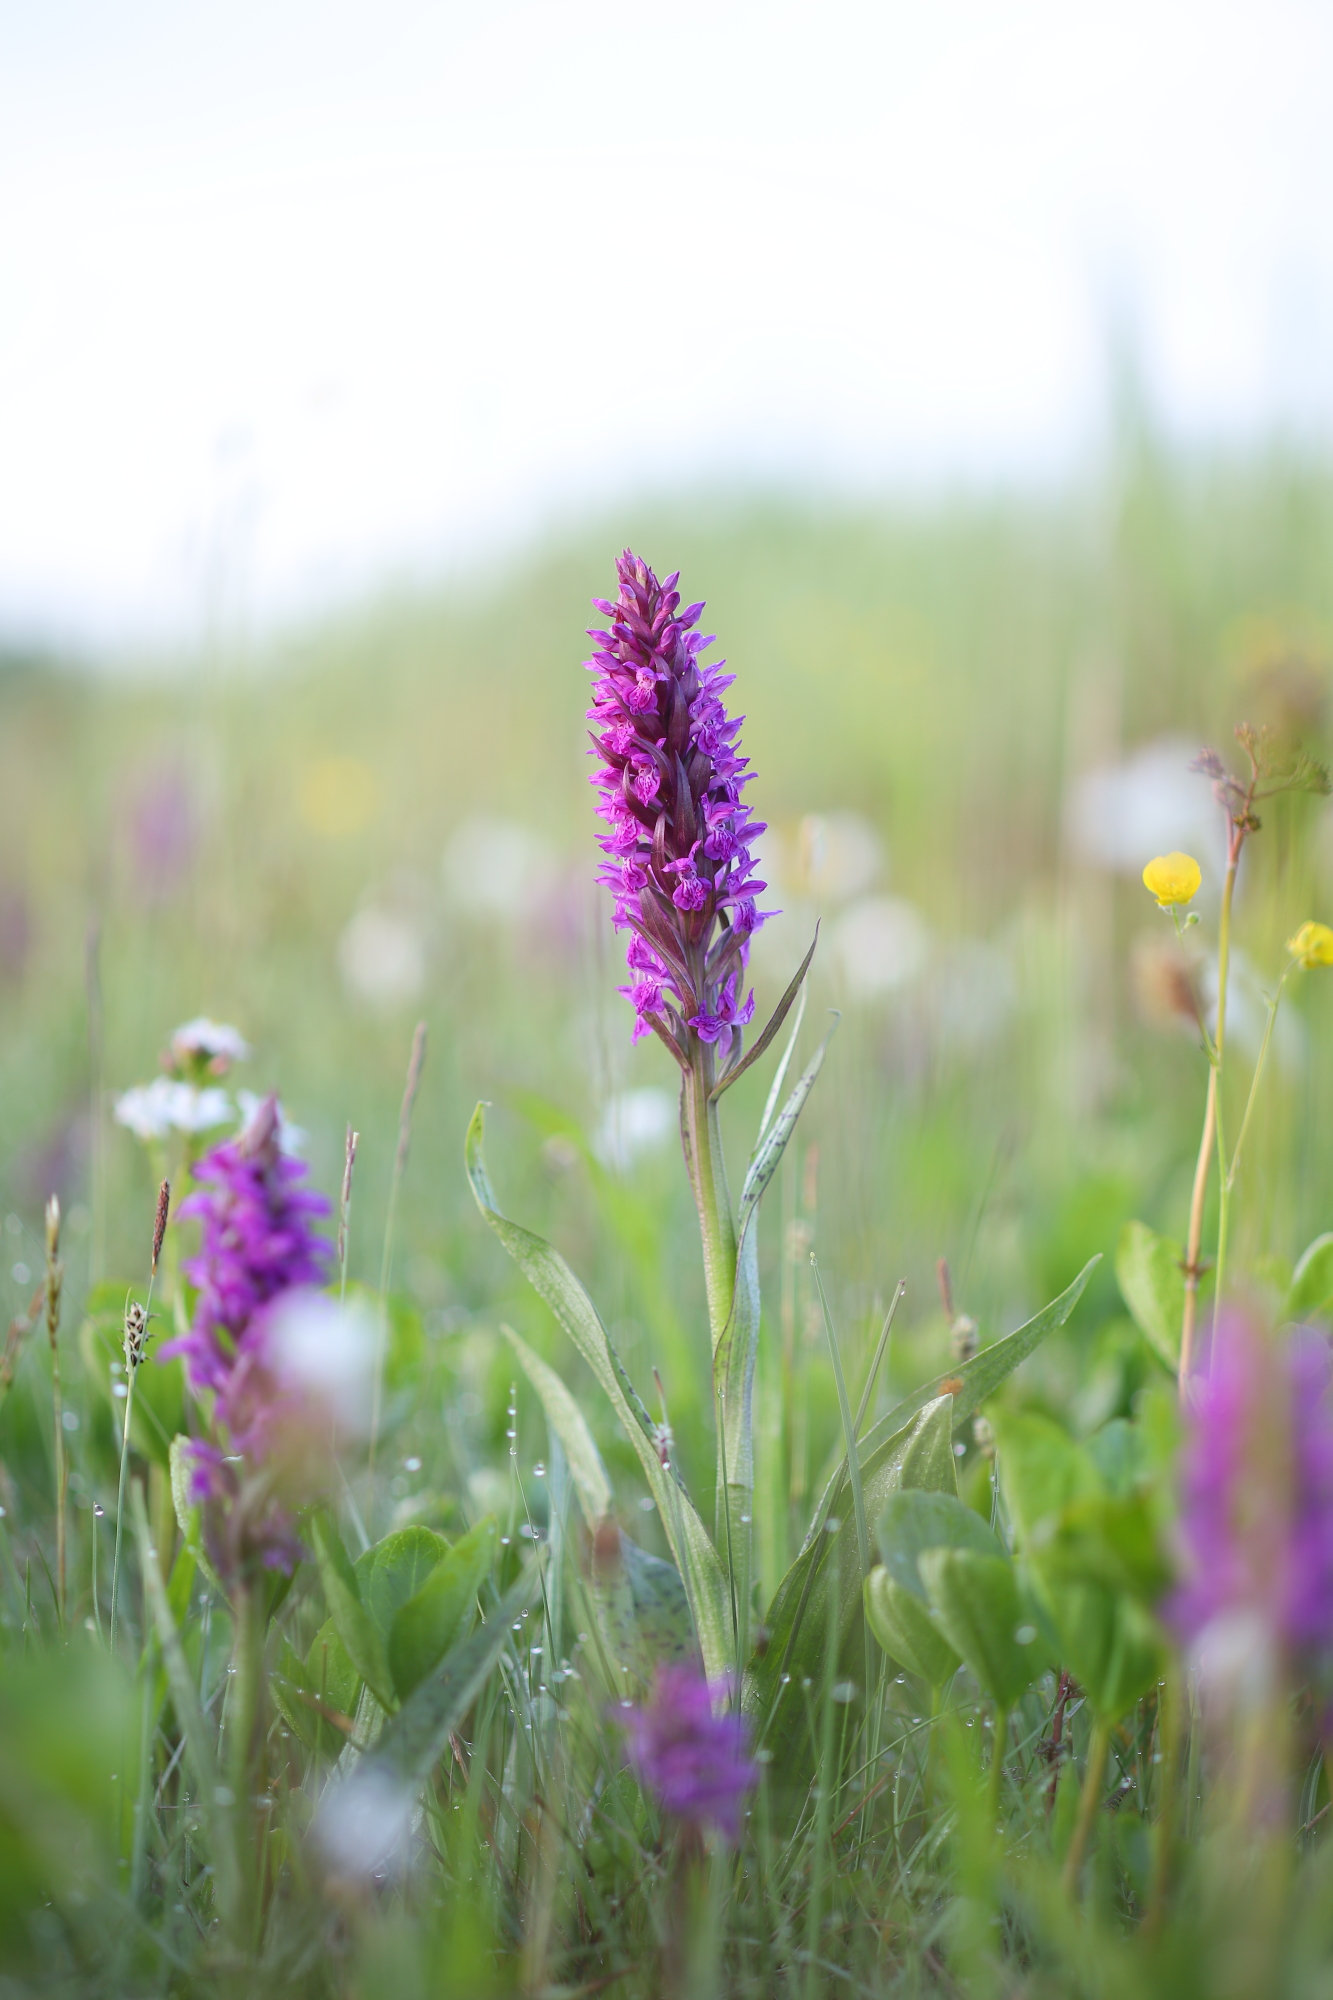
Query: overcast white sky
(294, 296)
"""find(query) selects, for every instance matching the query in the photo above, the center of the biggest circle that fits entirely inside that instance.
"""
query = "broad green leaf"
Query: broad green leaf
(642, 1609)
(1152, 1284)
(394, 1570)
(973, 1381)
(570, 1426)
(914, 1520)
(1311, 1293)
(324, 1680)
(1111, 1645)
(1112, 1541)
(441, 1612)
(921, 1455)
(551, 1278)
(355, 1627)
(977, 1605)
(411, 1742)
(1120, 1453)
(905, 1629)
(1041, 1470)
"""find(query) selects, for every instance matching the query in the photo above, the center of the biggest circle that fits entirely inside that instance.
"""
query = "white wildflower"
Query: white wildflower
(152, 1110)
(213, 1039)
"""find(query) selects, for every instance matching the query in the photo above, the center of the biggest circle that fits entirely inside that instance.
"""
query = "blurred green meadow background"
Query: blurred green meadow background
(971, 721)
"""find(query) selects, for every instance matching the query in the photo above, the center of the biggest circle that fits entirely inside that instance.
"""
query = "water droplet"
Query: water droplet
(1025, 1635)
(511, 1434)
(539, 1470)
(119, 1389)
(411, 1465)
(504, 1541)
(648, 1505)
(98, 1510)
(832, 1525)
(960, 1451)
(745, 1520)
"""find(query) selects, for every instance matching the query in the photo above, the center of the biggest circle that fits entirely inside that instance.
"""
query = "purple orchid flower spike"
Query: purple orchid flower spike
(258, 1253)
(1257, 1502)
(695, 1760)
(678, 835)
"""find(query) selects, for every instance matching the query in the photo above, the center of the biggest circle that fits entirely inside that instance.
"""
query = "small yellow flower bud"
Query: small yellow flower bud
(1312, 945)
(1173, 879)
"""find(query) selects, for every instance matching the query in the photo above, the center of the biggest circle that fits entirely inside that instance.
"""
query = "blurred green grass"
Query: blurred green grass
(946, 671)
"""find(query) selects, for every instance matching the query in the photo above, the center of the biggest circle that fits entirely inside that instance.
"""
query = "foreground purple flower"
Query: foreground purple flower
(1257, 1494)
(677, 839)
(697, 1762)
(257, 1242)
(258, 1257)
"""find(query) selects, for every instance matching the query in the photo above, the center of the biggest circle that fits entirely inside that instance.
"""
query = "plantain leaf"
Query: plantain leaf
(441, 1612)
(551, 1278)
(1152, 1284)
(1041, 1470)
(905, 1629)
(1311, 1293)
(977, 1606)
(394, 1570)
(411, 1742)
(570, 1426)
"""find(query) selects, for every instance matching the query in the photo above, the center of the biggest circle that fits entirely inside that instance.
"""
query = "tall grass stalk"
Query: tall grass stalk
(415, 1064)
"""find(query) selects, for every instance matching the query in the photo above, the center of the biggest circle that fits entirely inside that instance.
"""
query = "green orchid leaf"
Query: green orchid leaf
(976, 1602)
(774, 1022)
(569, 1424)
(1152, 1284)
(551, 1278)
(973, 1381)
(428, 1623)
(642, 1609)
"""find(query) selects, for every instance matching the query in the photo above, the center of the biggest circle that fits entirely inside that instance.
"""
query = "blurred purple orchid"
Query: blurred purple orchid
(695, 1760)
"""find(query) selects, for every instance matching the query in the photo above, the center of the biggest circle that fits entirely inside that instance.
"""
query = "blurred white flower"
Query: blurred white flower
(879, 944)
(327, 1352)
(363, 1823)
(292, 1139)
(838, 856)
(1149, 803)
(497, 868)
(382, 958)
(202, 1037)
(634, 1122)
(151, 1110)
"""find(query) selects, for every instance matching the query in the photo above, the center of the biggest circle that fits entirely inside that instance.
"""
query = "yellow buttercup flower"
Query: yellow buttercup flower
(1173, 879)
(1312, 945)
